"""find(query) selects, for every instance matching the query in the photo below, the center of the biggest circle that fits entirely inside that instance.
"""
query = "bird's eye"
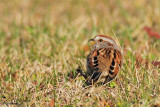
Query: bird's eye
(101, 40)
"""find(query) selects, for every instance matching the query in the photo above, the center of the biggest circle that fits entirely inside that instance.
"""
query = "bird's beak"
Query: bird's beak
(92, 41)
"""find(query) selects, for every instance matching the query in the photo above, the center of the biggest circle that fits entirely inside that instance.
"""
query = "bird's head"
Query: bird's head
(102, 41)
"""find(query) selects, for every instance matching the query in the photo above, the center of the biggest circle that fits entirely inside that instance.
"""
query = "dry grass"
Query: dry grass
(41, 41)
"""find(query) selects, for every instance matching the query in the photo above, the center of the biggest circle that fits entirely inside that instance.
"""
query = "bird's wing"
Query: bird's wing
(104, 63)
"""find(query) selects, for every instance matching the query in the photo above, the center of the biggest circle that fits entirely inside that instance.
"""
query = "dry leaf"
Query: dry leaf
(156, 63)
(86, 48)
(139, 60)
(51, 104)
(151, 33)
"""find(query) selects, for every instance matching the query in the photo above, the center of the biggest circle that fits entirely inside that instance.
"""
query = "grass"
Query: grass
(41, 41)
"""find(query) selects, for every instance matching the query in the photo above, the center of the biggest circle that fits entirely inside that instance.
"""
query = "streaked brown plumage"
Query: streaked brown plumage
(105, 59)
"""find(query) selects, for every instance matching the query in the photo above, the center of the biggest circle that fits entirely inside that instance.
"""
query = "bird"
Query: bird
(104, 61)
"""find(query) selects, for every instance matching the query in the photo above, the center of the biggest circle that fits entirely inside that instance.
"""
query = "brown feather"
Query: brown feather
(105, 62)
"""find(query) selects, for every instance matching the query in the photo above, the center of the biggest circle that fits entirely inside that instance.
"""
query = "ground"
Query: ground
(43, 41)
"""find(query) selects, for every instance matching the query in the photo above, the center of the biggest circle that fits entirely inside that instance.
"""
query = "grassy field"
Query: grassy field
(42, 41)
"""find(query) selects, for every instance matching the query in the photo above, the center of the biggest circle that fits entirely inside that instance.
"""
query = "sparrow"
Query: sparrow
(104, 61)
